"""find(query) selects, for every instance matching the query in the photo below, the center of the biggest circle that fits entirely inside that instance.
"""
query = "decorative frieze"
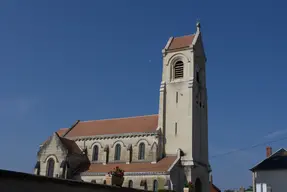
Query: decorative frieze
(112, 136)
(126, 173)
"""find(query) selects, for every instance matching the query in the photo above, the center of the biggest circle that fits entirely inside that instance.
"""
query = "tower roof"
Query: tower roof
(181, 42)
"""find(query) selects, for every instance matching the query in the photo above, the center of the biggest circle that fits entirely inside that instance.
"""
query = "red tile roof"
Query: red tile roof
(213, 188)
(139, 124)
(161, 166)
(181, 42)
(62, 131)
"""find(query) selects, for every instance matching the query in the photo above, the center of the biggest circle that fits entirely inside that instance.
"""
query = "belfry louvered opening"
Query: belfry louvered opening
(178, 70)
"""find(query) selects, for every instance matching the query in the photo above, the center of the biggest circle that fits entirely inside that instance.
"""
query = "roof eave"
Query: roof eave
(164, 50)
(114, 135)
(127, 173)
(254, 167)
(179, 49)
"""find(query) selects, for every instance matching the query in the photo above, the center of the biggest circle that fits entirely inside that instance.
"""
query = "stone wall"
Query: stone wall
(124, 142)
(18, 182)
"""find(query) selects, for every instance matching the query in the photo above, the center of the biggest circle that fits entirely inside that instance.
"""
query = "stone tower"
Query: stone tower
(183, 106)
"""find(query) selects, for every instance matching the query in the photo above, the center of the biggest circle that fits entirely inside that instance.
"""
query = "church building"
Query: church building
(158, 151)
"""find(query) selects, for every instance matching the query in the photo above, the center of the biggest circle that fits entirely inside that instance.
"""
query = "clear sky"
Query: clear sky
(67, 60)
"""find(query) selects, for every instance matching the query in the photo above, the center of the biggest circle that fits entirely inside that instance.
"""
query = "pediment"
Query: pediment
(53, 144)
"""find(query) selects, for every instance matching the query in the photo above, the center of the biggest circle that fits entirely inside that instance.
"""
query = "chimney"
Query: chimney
(268, 151)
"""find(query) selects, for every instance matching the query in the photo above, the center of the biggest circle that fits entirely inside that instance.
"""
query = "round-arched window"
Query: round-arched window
(178, 70)
(50, 167)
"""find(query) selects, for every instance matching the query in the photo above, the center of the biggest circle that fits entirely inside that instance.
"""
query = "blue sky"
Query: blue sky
(67, 60)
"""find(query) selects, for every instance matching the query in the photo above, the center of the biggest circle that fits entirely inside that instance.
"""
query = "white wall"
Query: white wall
(277, 180)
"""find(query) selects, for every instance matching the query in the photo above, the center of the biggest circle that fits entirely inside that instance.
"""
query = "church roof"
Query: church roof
(62, 131)
(161, 166)
(181, 42)
(139, 124)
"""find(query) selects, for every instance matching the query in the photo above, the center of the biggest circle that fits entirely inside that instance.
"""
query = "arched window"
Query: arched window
(118, 152)
(95, 153)
(38, 171)
(155, 185)
(107, 156)
(141, 151)
(198, 185)
(50, 167)
(145, 186)
(130, 184)
(178, 70)
(105, 182)
(64, 172)
(131, 155)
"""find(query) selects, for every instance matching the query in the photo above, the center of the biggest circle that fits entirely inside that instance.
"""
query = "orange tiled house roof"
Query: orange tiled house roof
(161, 166)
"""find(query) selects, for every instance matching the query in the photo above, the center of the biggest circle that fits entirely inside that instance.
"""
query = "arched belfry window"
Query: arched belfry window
(95, 153)
(50, 167)
(118, 152)
(141, 151)
(178, 70)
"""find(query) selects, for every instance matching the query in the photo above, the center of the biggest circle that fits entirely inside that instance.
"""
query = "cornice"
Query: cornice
(113, 136)
(191, 48)
(126, 173)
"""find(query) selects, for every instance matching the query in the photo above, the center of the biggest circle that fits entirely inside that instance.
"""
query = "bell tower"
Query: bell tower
(183, 104)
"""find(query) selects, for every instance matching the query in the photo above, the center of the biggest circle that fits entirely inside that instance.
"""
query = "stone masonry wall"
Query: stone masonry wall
(149, 141)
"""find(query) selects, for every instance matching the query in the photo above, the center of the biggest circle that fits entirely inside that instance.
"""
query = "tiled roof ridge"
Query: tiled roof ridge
(191, 34)
(119, 118)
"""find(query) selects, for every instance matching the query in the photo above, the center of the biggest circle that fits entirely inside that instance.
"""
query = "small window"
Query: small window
(176, 97)
(175, 129)
(178, 70)
(141, 151)
(95, 153)
(38, 171)
(197, 77)
(131, 155)
(155, 185)
(64, 171)
(105, 182)
(145, 186)
(107, 156)
(130, 184)
(118, 152)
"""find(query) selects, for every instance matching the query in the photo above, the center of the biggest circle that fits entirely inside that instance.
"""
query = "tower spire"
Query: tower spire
(198, 26)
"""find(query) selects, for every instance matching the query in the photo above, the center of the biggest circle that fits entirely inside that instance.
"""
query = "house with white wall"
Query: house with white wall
(270, 175)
